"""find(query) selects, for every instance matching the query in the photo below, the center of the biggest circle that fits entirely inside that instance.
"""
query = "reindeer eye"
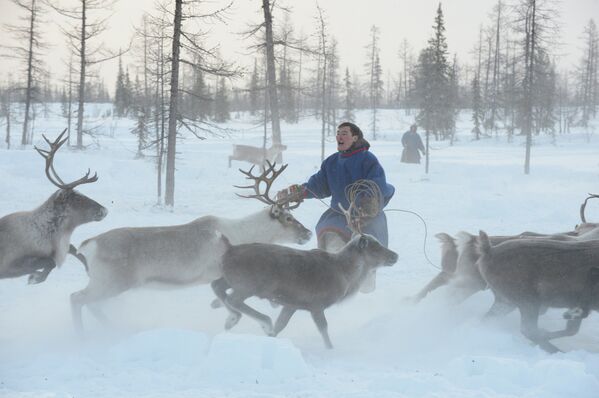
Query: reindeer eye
(288, 219)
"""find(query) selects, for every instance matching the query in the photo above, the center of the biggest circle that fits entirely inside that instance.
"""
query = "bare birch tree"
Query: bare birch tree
(28, 50)
(89, 20)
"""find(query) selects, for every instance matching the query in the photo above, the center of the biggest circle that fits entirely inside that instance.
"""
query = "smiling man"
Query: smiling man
(353, 161)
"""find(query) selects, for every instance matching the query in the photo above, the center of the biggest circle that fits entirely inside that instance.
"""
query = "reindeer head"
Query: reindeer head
(69, 205)
(279, 210)
(371, 251)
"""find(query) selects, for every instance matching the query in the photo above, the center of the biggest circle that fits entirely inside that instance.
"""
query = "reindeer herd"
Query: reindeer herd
(240, 258)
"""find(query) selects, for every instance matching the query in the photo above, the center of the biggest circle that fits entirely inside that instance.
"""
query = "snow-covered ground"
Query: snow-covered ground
(170, 343)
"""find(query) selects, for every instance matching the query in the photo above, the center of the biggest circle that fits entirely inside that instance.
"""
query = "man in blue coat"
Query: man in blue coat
(352, 162)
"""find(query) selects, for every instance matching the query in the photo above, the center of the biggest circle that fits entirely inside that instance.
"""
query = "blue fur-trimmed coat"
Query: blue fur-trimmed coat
(337, 172)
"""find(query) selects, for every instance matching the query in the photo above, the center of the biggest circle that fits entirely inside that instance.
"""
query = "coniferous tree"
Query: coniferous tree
(588, 92)
(433, 88)
(120, 92)
(254, 90)
(477, 112)
(375, 75)
(349, 105)
(6, 109)
(221, 103)
(141, 131)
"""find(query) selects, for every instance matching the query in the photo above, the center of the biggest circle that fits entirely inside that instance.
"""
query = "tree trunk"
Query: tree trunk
(529, 86)
(169, 198)
(272, 78)
(24, 140)
(81, 78)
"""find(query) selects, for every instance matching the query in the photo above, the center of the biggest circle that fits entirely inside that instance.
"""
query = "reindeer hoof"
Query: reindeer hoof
(216, 303)
(232, 321)
(574, 313)
(36, 277)
(267, 327)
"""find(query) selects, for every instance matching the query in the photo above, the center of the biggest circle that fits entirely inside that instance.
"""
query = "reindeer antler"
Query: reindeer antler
(582, 207)
(370, 195)
(265, 178)
(51, 173)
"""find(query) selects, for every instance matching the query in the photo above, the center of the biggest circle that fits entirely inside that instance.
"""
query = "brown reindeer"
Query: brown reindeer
(35, 242)
(311, 280)
(535, 273)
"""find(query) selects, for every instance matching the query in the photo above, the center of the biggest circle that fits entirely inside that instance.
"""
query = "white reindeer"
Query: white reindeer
(179, 255)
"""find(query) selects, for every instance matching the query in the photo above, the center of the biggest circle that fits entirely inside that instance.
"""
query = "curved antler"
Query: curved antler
(582, 207)
(265, 178)
(51, 173)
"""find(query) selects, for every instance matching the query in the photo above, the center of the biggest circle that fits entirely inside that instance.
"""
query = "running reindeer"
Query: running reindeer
(532, 274)
(311, 280)
(459, 257)
(35, 242)
(179, 255)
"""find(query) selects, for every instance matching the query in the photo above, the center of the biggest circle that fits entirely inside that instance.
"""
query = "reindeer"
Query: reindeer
(35, 242)
(296, 279)
(256, 156)
(180, 255)
(535, 273)
(459, 256)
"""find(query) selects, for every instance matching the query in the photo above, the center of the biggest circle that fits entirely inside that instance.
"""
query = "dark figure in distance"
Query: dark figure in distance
(412, 146)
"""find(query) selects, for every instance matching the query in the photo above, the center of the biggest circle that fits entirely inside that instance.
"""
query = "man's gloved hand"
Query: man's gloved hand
(369, 207)
(293, 193)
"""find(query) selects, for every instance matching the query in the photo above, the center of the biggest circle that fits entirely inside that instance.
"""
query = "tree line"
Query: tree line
(176, 81)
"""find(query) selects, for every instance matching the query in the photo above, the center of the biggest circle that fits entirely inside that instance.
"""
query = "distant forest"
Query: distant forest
(511, 84)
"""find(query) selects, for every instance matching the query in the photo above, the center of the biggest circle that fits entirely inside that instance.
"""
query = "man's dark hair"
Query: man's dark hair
(355, 130)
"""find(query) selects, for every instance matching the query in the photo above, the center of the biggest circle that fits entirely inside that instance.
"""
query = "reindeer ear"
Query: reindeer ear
(363, 242)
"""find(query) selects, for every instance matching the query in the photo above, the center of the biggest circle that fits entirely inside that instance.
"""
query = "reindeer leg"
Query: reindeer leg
(575, 315)
(220, 287)
(441, 279)
(236, 300)
(321, 324)
(90, 295)
(572, 327)
(38, 268)
(40, 275)
(529, 318)
(499, 307)
(283, 319)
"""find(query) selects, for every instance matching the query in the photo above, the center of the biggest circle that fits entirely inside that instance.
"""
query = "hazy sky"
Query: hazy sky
(349, 21)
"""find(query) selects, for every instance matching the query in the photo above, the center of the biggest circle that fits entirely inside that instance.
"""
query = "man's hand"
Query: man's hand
(293, 193)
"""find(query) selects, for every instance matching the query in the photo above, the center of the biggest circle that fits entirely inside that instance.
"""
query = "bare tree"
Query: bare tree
(493, 99)
(323, 55)
(89, 22)
(536, 21)
(6, 108)
(28, 49)
(587, 74)
(187, 46)
(271, 76)
(407, 60)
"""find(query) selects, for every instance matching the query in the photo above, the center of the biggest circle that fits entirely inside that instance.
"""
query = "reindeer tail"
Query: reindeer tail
(483, 245)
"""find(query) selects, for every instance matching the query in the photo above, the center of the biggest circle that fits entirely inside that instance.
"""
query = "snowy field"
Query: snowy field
(170, 343)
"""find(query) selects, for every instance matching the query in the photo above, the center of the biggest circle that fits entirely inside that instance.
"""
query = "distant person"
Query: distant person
(412, 146)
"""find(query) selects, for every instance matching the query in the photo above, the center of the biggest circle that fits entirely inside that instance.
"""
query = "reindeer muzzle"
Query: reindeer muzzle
(100, 214)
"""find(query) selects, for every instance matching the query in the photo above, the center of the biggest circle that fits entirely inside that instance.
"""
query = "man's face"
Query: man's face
(345, 139)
